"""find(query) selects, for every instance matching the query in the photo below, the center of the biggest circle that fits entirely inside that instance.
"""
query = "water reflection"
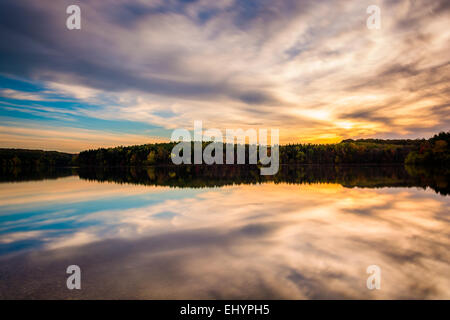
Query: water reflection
(436, 178)
(276, 239)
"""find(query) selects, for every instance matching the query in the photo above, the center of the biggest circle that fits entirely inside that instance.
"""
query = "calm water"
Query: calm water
(193, 233)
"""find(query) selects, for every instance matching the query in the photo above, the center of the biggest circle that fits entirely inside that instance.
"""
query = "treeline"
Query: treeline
(341, 153)
(434, 151)
(366, 151)
(34, 158)
(141, 155)
(350, 152)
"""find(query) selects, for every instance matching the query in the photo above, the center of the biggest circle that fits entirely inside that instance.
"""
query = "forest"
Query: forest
(433, 151)
(366, 151)
(34, 158)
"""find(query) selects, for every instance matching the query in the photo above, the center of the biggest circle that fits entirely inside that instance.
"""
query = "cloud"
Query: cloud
(20, 95)
(76, 91)
(234, 64)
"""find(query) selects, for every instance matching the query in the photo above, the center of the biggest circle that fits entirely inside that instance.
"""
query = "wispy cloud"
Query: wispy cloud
(311, 68)
(21, 95)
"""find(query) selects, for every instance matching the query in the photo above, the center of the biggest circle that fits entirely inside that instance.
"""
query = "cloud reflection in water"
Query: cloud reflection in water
(248, 241)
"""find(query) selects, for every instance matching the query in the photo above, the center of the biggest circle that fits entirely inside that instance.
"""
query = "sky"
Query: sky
(138, 69)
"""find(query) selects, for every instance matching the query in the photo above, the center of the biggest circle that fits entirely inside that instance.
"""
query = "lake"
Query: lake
(225, 233)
